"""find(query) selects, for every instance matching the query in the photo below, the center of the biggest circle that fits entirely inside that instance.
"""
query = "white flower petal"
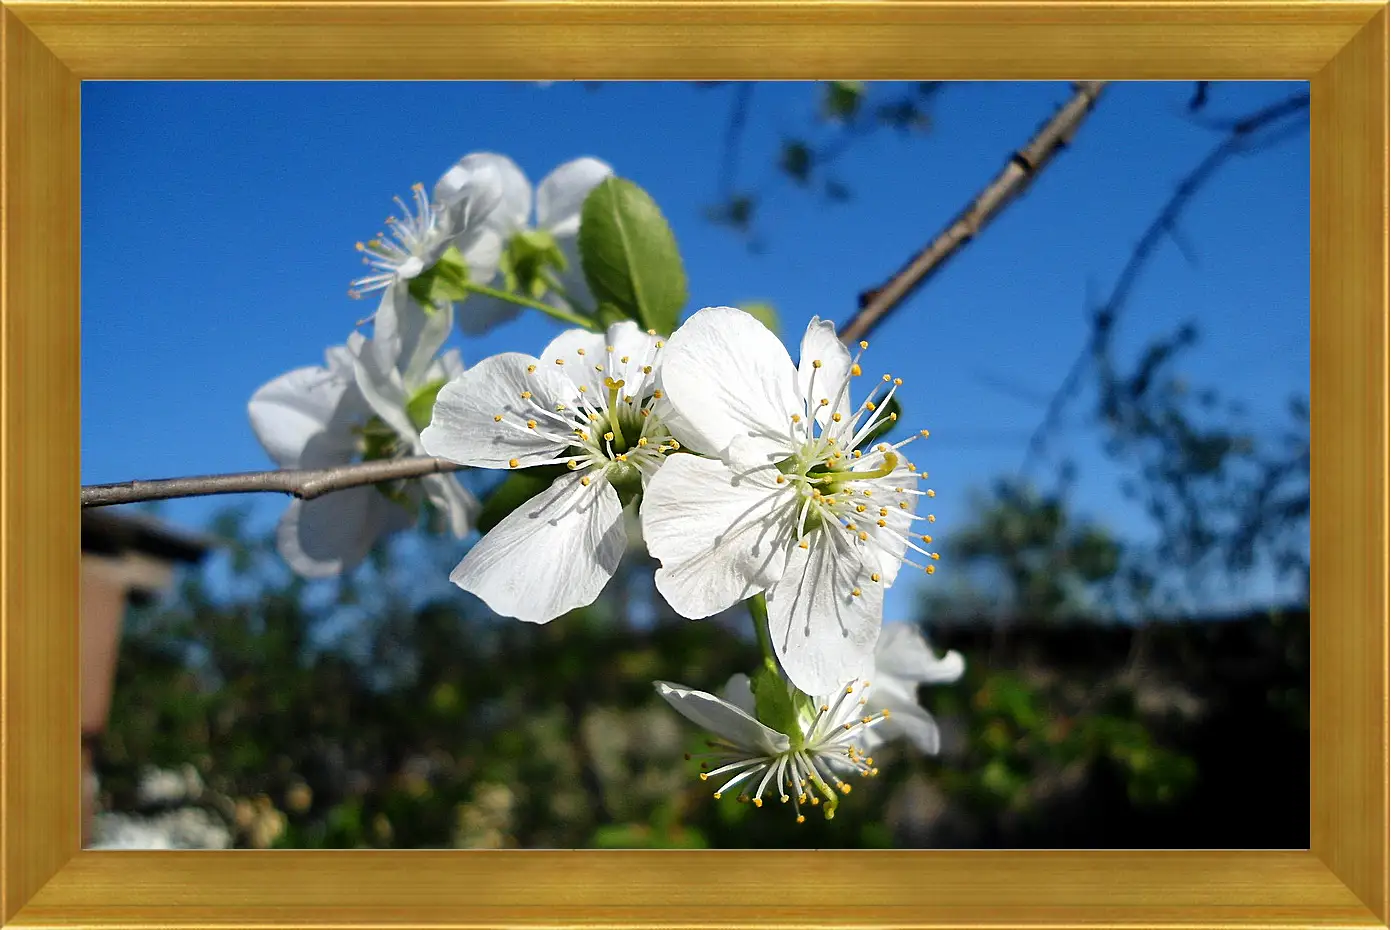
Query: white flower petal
(585, 353)
(513, 205)
(728, 377)
(459, 507)
(560, 196)
(739, 692)
(463, 428)
(904, 653)
(815, 383)
(304, 418)
(723, 719)
(481, 249)
(406, 336)
(823, 634)
(721, 537)
(572, 279)
(330, 535)
(907, 719)
(552, 554)
(383, 389)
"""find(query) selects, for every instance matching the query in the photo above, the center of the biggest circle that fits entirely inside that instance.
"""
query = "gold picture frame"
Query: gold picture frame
(50, 46)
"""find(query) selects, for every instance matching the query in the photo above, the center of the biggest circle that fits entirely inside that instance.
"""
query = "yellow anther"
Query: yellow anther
(855, 370)
(572, 464)
(874, 577)
(824, 709)
(816, 363)
(651, 332)
(858, 453)
(660, 343)
(642, 441)
(513, 463)
(924, 433)
(584, 389)
(780, 479)
(585, 481)
(931, 493)
(864, 344)
(835, 417)
(624, 359)
(888, 378)
(866, 719)
(579, 351)
(530, 369)
(892, 416)
(926, 539)
(883, 511)
(936, 557)
(854, 592)
(898, 381)
(859, 508)
(757, 802)
(868, 492)
(796, 418)
(560, 361)
(497, 418)
(658, 395)
(608, 437)
(531, 424)
(599, 368)
(886, 713)
(801, 818)
(932, 569)
(931, 518)
(902, 505)
(882, 522)
(647, 369)
(704, 776)
(845, 789)
(526, 395)
(802, 544)
(717, 795)
(825, 402)
(863, 536)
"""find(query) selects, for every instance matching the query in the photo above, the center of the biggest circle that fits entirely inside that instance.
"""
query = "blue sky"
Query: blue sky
(219, 220)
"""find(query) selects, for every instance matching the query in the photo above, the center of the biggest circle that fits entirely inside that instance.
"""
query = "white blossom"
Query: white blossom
(413, 242)
(903, 660)
(807, 766)
(358, 406)
(557, 201)
(787, 497)
(587, 403)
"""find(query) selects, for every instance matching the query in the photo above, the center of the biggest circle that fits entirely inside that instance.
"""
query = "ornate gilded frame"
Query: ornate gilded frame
(50, 47)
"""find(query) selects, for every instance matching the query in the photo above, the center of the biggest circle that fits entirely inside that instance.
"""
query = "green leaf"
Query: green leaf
(764, 313)
(629, 255)
(421, 407)
(514, 491)
(842, 100)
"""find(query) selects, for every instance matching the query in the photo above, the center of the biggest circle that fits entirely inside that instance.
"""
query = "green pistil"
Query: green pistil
(620, 444)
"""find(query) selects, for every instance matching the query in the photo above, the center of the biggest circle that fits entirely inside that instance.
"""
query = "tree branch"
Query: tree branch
(1243, 135)
(304, 483)
(1023, 166)
(307, 484)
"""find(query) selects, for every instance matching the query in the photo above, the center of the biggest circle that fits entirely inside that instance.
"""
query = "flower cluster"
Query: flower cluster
(753, 479)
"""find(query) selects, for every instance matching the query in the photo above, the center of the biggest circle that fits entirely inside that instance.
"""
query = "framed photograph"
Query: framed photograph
(402, 443)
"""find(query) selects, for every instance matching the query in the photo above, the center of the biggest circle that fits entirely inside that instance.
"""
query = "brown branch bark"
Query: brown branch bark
(1023, 166)
(306, 484)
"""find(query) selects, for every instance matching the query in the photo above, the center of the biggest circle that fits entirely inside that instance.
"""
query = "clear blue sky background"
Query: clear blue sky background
(219, 220)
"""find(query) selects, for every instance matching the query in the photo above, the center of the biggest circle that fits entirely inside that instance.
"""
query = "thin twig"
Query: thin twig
(1023, 166)
(306, 484)
(1239, 140)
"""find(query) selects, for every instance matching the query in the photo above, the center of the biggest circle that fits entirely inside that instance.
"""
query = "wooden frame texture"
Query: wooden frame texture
(50, 47)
